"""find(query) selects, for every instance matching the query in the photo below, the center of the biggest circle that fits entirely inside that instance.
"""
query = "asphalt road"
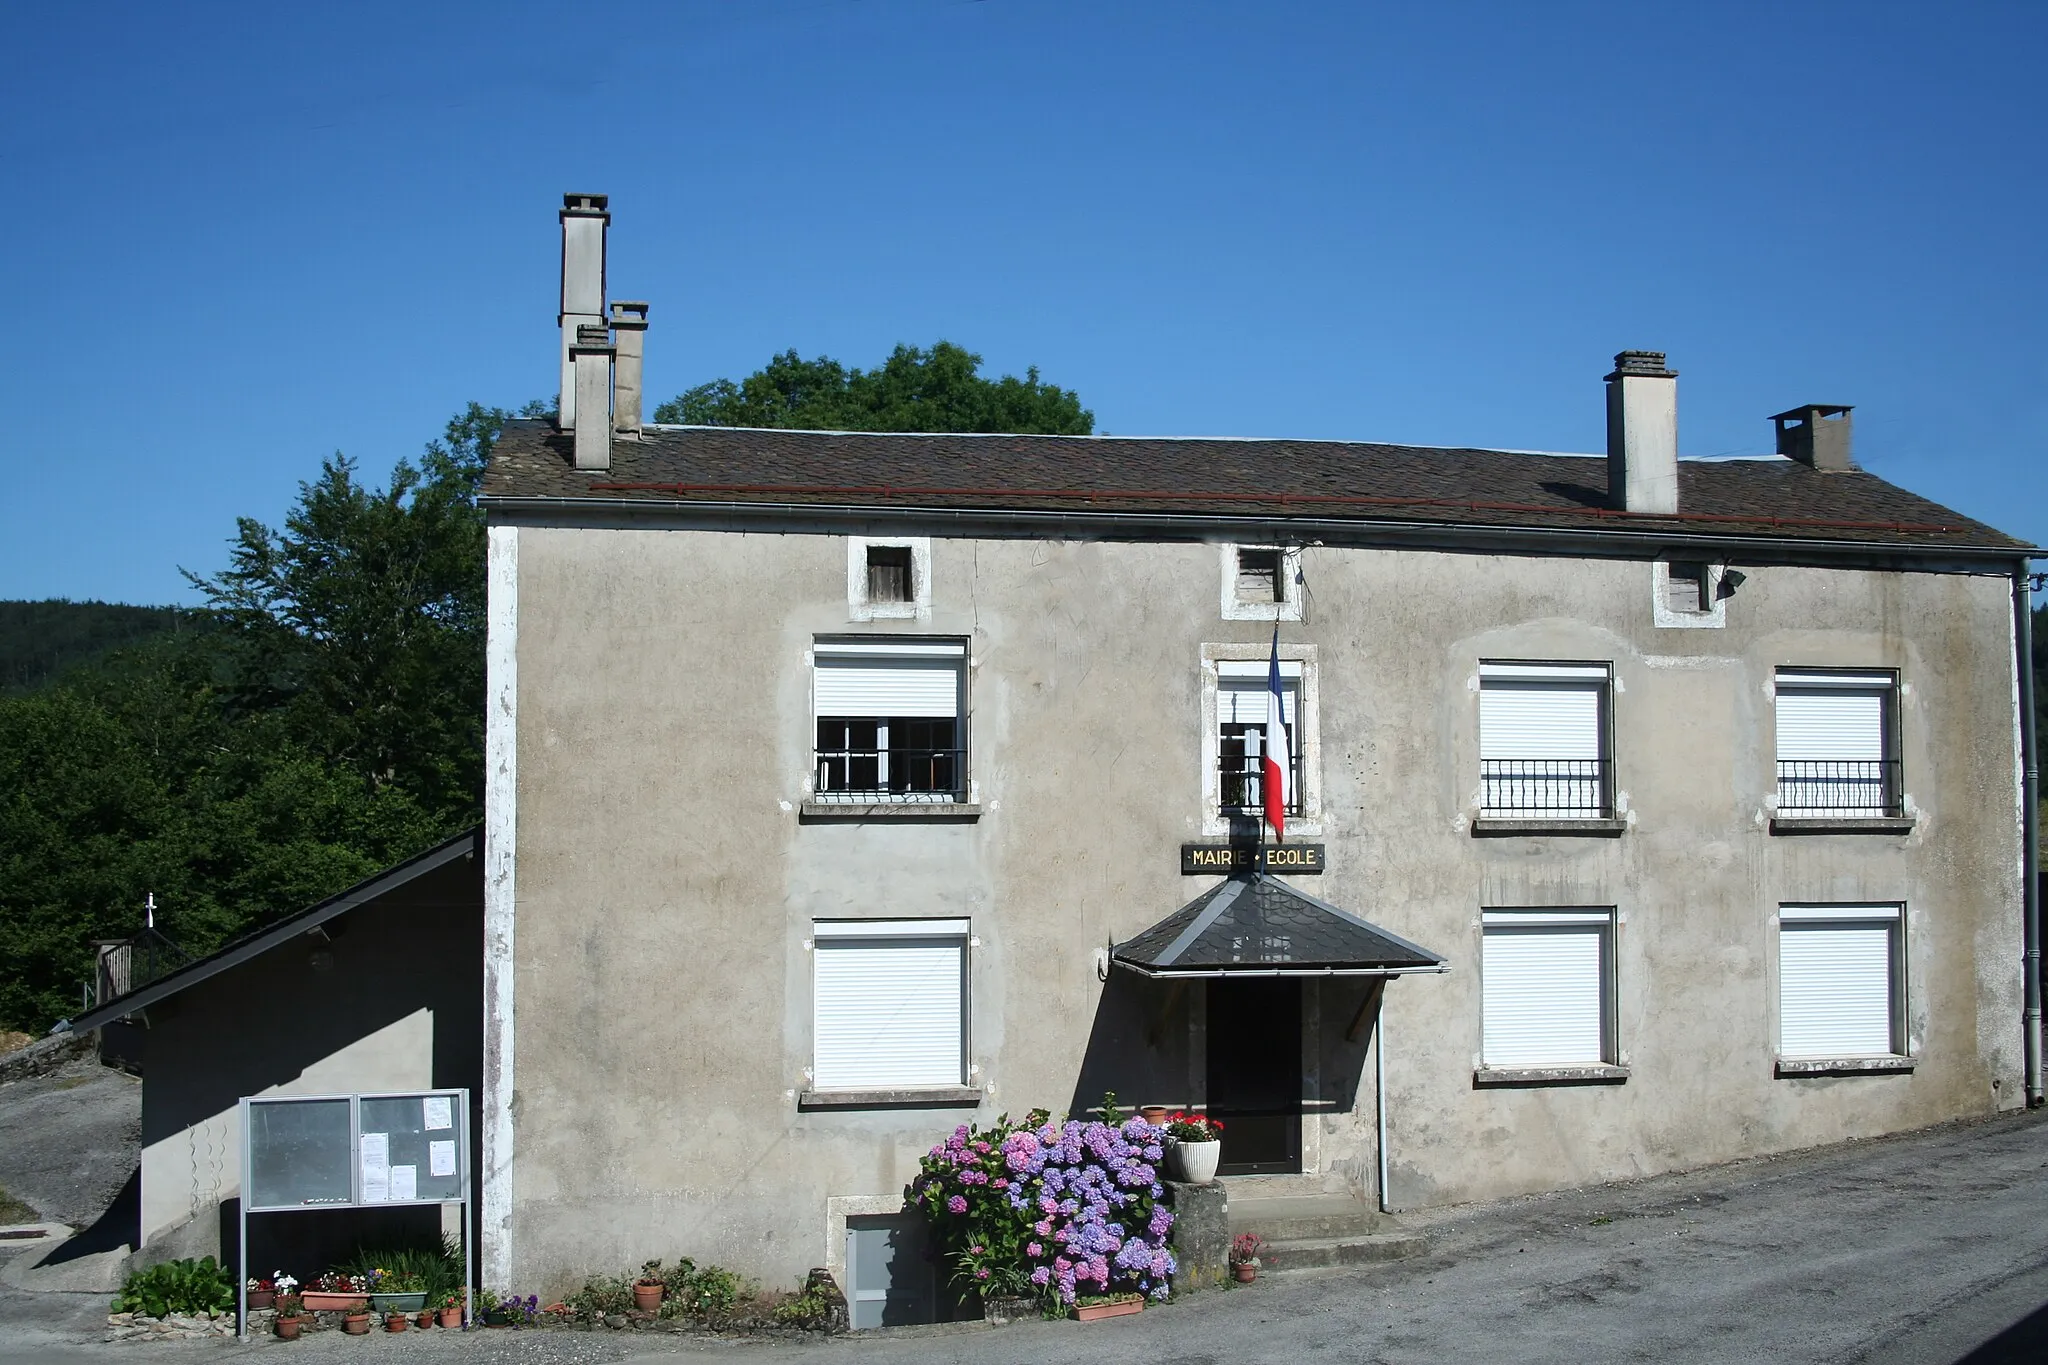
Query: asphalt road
(1923, 1250)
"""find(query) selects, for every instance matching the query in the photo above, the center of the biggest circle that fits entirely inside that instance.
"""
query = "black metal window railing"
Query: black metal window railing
(1862, 786)
(1243, 784)
(897, 773)
(1561, 787)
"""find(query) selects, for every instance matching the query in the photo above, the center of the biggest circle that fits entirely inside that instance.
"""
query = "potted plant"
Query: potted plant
(648, 1289)
(397, 1291)
(423, 1319)
(291, 1319)
(262, 1293)
(449, 1307)
(1154, 1114)
(336, 1292)
(1197, 1147)
(394, 1322)
(356, 1322)
(1089, 1307)
(1244, 1256)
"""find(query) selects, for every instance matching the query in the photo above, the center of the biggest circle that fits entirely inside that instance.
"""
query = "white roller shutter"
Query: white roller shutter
(867, 686)
(1830, 723)
(1543, 988)
(1241, 701)
(1539, 720)
(889, 1013)
(1835, 984)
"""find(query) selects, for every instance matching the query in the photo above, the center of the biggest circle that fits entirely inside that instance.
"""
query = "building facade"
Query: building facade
(836, 782)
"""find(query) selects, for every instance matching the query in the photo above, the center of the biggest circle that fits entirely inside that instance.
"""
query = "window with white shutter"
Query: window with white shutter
(1546, 985)
(1836, 750)
(1543, 741)
(889, 1004)
(890, 722)
(1244, 691)
(1838, 981)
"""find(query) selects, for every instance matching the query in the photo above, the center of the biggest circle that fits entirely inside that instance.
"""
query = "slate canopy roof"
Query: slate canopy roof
(702, 467)
(1256, 925)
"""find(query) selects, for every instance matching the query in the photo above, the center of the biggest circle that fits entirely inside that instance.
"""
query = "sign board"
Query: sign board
(353, 1151)
(1218, 860)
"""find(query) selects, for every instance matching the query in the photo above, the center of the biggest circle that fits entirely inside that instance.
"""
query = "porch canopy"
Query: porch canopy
(1256, 925)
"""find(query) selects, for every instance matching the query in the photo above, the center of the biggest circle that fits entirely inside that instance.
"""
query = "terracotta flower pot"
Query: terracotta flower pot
(1154, 1114)
(1109, 1310)
(395, 1323)
(451, 1317)
(356, 1324)
(423, 1319)
(288, 1328)
(647, 1295)
(1194, 1162)
(1245, 1271)
(261, 1298)
(319, 1302)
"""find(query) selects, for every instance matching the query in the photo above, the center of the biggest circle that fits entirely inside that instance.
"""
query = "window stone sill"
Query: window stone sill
(1883, 824)
(1490, 827)
(931, 1097)
(1844, 1066)
(1523, 1077)
(949, 812)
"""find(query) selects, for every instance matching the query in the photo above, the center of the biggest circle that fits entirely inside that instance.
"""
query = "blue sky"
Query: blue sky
(240, 238)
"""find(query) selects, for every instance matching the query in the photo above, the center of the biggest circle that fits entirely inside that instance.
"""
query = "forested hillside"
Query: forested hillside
(39, 640)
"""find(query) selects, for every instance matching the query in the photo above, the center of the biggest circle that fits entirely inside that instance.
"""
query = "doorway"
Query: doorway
(1255, 1073)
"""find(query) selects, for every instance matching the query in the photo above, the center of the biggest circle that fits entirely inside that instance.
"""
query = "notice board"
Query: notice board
(354, 1151)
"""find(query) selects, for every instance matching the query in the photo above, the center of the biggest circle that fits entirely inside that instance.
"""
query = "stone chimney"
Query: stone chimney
(1816, 435)
(629, 335)
(1642, 433)
(584, 221)
(591, 354)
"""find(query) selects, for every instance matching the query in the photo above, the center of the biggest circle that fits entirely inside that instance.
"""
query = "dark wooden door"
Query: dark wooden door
(1255, 1073)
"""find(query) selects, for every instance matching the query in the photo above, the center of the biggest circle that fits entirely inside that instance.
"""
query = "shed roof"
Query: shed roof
(1256, 925)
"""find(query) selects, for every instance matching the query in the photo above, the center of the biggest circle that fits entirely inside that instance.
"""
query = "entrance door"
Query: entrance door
(1255, 1073)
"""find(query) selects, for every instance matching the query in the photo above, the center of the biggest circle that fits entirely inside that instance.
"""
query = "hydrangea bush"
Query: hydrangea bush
(1053, 1209)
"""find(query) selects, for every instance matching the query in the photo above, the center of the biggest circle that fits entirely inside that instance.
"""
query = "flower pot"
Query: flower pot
(1000, 1310)
(451, 1317)
(261, 1298)
(1194, 1162)
(288, 1328)
(1109, 1310)
(316, 1302)
(387, 1304)
(1154, 1114)
(423, 1319)
(395, 1323)
(355, 1324)
(647, 1295)
(1245, 1271)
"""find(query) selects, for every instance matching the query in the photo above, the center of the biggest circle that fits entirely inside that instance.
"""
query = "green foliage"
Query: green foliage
(810, 1309)
(698, 1293)
(178, 1287)
(601, 1296)
(40, 640)
(939, 389)
(435, 1269)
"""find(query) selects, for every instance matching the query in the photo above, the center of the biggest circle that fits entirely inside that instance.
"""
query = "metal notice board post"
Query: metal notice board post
(306, 1152)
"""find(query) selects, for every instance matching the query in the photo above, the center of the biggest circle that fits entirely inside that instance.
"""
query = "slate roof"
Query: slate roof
(1210, 477)
(1260, 924)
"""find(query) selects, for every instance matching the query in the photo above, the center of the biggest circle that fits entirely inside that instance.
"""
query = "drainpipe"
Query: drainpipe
(1379, 1090)
(2030, 834)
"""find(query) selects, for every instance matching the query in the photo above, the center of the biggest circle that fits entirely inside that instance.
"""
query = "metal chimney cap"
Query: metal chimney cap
(1808, 411)
(1644, 364)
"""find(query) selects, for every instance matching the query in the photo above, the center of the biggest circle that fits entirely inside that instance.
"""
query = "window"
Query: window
(889, 1004)
(889, 721)
(1546, 987)
(1691, 593)
(1261, 583)
(1837, 745)
(1243, 698)
(1543, 741)
(1839, 981)
(888, 579)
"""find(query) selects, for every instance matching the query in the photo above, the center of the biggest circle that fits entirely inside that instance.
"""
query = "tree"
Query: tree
(913, 390)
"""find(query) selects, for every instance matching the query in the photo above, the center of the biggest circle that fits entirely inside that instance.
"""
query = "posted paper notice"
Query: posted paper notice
(405, 1183)
(376, 1158)
(439, 1112)
(441, 1158)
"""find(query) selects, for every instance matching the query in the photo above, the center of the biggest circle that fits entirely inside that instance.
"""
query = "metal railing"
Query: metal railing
(1863, 786)
(1562, 787)
(904, 775)
(1243, 784)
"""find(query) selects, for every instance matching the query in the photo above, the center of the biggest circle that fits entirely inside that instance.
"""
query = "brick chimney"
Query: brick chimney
(1816, 435)
(591, 355)
(629, 336)
(584, 221)
(1642, 433)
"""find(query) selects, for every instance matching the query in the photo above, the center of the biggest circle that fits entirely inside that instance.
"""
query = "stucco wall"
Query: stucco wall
(396, 1007)
(666, 886)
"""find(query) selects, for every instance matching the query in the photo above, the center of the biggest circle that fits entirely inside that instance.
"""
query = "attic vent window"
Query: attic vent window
(1688, 586)
(889, 573)
(1261, 576)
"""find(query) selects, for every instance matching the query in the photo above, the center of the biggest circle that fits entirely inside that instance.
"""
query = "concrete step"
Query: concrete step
(1308, 1253)
(1306, 1217)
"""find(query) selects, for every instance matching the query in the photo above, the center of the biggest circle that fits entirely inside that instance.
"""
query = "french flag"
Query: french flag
(1275, 778)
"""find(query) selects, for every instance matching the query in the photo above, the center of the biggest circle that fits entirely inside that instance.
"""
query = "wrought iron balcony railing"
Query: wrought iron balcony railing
(903, 775)
(1243, 785)
(1560, 788)
(1833, 786)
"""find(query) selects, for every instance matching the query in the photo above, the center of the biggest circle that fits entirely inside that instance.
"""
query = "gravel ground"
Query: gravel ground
(1919, 1250)
(69, 1140)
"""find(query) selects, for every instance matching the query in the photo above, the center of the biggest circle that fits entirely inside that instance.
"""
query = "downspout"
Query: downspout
(1379, 1090)
(2030, 834)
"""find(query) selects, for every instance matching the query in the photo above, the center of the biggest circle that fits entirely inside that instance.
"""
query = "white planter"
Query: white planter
(1193, 1162)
